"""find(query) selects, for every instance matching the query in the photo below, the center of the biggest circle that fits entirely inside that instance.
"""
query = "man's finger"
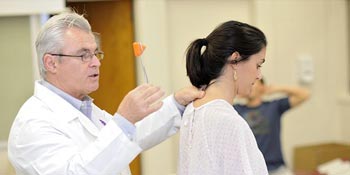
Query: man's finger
(154, 107)
(141, 88)
(154, 97)
(150, 91)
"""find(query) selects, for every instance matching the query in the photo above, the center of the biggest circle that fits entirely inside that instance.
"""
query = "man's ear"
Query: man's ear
(50, 63)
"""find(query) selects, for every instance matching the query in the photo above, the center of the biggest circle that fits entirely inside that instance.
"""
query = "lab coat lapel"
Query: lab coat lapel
(101, 115)
(65, 111)
(88, 124)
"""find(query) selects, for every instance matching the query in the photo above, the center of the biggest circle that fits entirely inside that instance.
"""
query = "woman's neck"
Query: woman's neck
(220, 89)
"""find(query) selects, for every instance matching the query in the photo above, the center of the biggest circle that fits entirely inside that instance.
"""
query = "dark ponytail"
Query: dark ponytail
(195, 63)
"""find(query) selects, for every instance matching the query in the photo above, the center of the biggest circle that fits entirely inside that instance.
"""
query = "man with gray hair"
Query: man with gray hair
(59, 130)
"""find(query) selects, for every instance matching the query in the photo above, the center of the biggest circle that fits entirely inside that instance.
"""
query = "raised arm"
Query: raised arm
(297, 95)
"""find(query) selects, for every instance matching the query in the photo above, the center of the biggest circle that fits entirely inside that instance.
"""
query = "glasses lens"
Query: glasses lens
(86, 57)
(99, 55)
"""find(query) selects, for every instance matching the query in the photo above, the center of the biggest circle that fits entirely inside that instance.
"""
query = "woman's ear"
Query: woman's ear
(234, 59)
(235, 56)
(50, 63)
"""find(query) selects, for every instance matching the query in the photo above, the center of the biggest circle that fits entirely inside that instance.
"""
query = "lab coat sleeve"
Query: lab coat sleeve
(159, 125)
(43, 148)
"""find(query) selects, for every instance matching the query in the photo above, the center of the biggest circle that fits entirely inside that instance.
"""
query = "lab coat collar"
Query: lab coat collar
(65, 110)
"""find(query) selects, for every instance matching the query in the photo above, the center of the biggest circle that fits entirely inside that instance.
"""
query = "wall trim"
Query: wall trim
(35, 24)
(29, 7)
(3, 145)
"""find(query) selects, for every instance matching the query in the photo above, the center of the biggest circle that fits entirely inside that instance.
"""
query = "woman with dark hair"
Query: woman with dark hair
(214, 138)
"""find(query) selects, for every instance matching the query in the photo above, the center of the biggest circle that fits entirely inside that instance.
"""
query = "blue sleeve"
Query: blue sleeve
(180, 107)
(283, 104)
(127, 127)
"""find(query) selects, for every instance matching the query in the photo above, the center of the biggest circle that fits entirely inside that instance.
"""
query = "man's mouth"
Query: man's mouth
(93, 75)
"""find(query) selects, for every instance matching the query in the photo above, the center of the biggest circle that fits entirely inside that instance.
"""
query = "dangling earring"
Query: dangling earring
(235, 76)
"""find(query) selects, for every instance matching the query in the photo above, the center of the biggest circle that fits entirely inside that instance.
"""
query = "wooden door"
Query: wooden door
(113, 20)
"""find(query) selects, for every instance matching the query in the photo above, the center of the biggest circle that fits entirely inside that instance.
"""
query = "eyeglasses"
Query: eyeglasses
(86, 57)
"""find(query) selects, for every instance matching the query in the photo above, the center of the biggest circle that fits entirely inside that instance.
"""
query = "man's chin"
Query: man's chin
(93, 88)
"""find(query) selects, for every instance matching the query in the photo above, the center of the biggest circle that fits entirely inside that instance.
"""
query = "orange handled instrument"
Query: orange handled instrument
(138, 50)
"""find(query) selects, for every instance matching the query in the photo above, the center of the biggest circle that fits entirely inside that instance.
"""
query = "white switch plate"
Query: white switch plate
(305, 67)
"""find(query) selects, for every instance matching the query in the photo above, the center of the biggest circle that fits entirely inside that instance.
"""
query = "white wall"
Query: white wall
(19, 21)
(318, 28)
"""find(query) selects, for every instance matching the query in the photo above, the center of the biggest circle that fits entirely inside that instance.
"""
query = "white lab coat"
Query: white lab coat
(49, 136)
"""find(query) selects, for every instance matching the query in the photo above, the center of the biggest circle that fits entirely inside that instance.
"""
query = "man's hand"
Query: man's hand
(186, 95)
(140, 102)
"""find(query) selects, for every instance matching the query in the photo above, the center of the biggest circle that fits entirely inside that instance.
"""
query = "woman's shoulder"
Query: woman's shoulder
(218, 110)
(215, 104)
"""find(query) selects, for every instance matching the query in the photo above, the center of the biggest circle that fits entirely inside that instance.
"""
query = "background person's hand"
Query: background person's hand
(140, 102)
(187, 94)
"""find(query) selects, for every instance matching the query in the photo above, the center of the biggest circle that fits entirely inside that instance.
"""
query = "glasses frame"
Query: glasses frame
(86, 57)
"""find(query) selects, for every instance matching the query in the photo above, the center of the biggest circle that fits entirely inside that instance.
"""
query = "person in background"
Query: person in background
(264, 118)
(214, 139)
(60, 131)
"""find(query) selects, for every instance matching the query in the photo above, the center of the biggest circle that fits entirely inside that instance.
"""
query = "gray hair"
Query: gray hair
(50, 37)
